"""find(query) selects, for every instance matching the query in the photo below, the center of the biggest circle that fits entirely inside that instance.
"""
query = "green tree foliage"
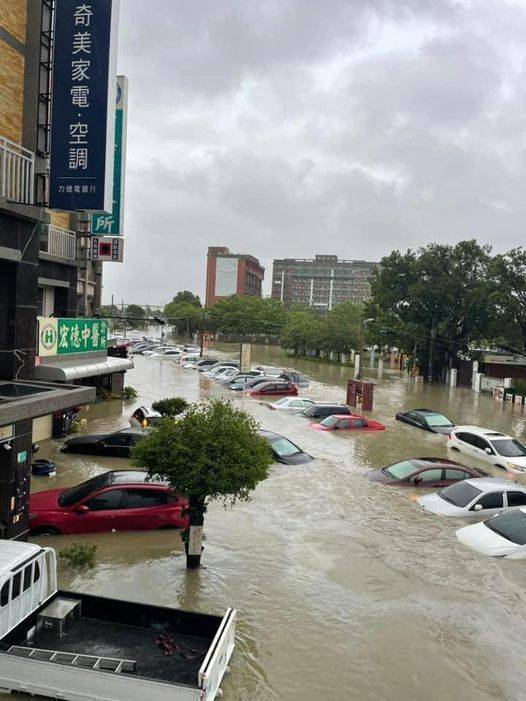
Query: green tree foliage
(184, 316)
(435, 299)
(187, 296)
(171, 406)
(212, 452)
(302, 332)
(247, 316)
(508, 297)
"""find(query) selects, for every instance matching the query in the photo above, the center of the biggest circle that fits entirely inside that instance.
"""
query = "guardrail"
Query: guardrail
(17, 167)
(59, 242)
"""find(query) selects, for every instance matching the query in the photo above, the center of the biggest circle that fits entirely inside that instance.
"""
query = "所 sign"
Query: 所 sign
(83, 104)
(111, 224)
(66, 336)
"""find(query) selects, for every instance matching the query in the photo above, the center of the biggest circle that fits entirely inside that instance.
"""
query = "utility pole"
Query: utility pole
(123, 321)
(112, 315)
(431, 353)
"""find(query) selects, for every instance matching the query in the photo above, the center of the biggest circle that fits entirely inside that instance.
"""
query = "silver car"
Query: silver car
(476, 498)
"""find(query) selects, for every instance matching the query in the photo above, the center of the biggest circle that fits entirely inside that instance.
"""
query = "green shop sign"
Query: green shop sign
(67, 336)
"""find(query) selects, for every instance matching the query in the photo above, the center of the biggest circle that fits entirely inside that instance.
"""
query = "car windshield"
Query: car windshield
(509, 448)
(510, 525)
(459, 494)
(437, 420)
(282, 402)
(284, 448)
(330, 421)
(400, 470)
(74, 494)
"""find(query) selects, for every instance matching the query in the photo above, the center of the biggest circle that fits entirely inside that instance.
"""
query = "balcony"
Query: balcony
(17, 166)
(60, 243)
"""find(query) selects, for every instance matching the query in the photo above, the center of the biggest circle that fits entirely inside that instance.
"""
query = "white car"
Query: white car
(187, 358)
(174, 353)
(290, 404)
(144, 416)
(490, 446)
(222, 371)
(503, 535)
(474, 498)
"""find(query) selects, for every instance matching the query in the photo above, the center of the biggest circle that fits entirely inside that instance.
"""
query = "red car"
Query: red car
(342, 422)
(116, 500)
(274, 388)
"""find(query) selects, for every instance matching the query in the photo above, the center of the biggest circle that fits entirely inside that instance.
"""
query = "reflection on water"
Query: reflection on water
(345, 589)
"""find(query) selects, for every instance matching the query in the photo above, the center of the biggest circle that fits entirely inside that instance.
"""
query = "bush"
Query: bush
(129, 393)
(171, 406)
(79, 554)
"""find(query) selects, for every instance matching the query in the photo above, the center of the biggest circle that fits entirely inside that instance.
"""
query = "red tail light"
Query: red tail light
(449, 436)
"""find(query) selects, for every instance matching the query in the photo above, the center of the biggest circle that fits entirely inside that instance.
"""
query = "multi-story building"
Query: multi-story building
(322, 282)
(230, 274)
(50, 362)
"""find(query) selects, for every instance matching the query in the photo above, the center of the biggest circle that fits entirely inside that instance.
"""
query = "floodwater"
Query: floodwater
(344, 588)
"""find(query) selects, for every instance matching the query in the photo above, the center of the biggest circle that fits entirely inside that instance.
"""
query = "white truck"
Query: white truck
(69, 645)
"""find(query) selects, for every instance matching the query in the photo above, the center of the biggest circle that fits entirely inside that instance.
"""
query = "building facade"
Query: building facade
(49, 361)
(321, 283)
(230, 274)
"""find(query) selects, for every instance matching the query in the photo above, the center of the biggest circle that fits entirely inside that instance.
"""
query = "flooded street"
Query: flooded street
(345, 589)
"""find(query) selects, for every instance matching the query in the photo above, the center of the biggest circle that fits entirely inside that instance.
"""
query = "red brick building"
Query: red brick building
(230, 274)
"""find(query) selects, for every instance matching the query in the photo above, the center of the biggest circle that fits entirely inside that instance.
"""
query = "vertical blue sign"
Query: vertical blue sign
(83, 104)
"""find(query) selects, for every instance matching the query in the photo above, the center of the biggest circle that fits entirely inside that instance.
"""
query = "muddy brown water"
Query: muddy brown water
(344, 588)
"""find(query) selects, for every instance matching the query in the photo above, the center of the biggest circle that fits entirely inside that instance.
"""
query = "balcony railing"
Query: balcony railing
(59, 242)
(17, 166)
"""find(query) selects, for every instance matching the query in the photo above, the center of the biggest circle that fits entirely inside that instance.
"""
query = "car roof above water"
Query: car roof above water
(489, 484)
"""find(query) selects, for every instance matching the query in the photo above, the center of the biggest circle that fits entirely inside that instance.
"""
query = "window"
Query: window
(145, 498)
(400, 470)
(36, 574)
(17, 579)
(118, 439)
(516, 498)
(510, 525)
(106, 501)
(491, 501)
(435, 420)
(359, 423)
(4, 594)
(456, 475)
(330, 422)
(459, 494)
(284, 448)
(81, 491)
(509, 448)
(343, 423)
(27, 578)
(480, 443)
(428, 476)
(466, 438)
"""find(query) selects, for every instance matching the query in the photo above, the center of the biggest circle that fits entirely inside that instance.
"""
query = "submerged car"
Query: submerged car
(503, 535)
(346, 422)
(144, 416)
(293, 376)
(290, 404)
(116, 500)
(424, 472)
(116, 445)
(274, 387)
(491, 446)
(473, 498)
(285, 451)
(218, 363)
(427, 419)
(320, 411)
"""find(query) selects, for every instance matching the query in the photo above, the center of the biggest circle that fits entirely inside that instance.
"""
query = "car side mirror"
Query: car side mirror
(488, 451)
(82, 509)
(417, 479)
(478, 507)
(101, 444)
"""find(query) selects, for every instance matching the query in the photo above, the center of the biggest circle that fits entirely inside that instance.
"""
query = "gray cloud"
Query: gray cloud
(291, 127)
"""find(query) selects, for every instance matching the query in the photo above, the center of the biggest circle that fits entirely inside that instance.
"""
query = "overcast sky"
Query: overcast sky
(295, 127)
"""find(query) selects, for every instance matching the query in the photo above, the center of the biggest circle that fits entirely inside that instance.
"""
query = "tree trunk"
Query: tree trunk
(194, 541)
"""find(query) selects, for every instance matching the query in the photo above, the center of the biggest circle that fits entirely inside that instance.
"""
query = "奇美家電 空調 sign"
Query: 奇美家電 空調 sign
(83, 105)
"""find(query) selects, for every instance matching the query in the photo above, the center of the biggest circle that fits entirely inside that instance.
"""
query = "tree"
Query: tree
(212, 452)
(342, 328)
(185, 317)
(171, 406)
(248, 316)
(135, 312)
(302, 332)
(434, 301)
(187, 296)
(508, 298)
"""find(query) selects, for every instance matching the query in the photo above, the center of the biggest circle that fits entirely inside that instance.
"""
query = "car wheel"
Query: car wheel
(46, 530)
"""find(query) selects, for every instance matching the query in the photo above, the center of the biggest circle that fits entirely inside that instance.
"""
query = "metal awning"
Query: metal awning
(71, 370)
